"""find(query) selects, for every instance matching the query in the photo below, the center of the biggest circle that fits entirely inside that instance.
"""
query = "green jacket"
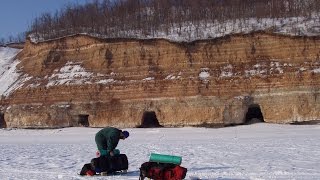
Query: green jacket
(107, 139)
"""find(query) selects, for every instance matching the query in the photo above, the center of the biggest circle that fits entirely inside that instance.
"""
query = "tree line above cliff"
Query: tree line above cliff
(158, 18)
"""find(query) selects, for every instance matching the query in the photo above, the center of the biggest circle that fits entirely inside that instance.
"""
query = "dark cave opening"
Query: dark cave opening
(3, 123)
(254, 115)
(149, 120)
(83, 120)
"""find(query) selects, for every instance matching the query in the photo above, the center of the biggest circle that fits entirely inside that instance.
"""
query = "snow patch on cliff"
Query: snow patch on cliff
(106, 81)
(316, 70)
(148, 79)
(70, 74)
(204, 75)
(9, 74)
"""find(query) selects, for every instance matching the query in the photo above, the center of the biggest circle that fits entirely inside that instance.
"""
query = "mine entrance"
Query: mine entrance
(3, 123)
(254, 115)
(83, 120)
(149, 120)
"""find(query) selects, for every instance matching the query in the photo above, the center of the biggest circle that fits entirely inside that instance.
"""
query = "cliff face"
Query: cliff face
(211, 82)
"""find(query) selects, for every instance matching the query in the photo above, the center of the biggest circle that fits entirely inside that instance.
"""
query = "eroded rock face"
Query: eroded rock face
(209, 82)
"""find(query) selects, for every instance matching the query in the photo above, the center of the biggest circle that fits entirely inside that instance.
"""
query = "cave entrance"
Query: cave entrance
(149, 120)
(3, 123)
(83, 120)
(254, 115)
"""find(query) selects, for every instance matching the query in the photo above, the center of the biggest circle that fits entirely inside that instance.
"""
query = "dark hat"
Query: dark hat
(125, 133)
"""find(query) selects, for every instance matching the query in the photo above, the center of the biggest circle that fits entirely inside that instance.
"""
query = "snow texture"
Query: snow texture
(256, 152)
(204, 75)
(70, 74)
(8, 73)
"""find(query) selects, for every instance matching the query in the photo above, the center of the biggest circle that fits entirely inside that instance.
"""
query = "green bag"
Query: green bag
(162, 158)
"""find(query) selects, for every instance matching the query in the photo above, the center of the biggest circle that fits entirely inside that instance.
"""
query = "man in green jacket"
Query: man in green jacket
(107, 140)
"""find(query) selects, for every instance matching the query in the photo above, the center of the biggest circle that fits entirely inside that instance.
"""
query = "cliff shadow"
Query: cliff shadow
(149, 120)
(3, 123)
(83, 120)
(310, 122)
(253, 115)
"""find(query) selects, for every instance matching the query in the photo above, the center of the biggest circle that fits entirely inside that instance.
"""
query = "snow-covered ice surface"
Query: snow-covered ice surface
(259, 151)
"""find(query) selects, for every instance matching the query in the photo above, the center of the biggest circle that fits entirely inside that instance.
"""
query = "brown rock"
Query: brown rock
(113, 82)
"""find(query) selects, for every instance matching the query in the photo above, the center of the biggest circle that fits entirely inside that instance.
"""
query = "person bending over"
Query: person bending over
(107, 140)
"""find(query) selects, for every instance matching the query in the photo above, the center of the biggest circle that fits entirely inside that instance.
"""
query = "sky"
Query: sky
(17, 15)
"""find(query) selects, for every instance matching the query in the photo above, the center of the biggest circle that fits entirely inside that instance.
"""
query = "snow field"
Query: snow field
(259, 151)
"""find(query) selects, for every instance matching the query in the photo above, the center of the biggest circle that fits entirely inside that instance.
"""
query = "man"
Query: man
(107, 140)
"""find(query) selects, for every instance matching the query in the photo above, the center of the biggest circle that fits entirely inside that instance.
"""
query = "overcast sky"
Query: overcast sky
(16, 15)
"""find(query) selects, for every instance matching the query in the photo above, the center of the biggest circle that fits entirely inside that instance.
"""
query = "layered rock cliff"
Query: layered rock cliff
(124, 82)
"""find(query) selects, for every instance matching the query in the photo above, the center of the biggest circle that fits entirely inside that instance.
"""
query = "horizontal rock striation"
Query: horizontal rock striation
(217, 82)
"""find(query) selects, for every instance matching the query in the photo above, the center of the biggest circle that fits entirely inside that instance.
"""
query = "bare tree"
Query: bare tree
(117, 18)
